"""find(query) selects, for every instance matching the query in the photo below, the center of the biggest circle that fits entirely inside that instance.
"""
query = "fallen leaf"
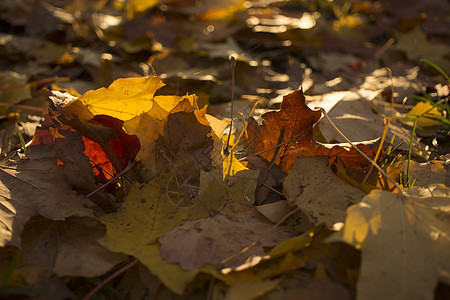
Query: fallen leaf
(124, 99)
(78, 171)
(67, 247)
(404, 240)
(240, 186)
(148, 127)
(219, 239)
(123, 147)
(35, 187)
(304, 187)
(293, 120)
(275, 211)
(416, 46)
(150, 210)
(251, 289)
(171, 275)
(355, 118)
(187, 143)
(319, 289)
(426, 174)
(176, 124)
(69, 105)
(426, 115)
(13, 87)
(269, 180)
(109, 148)
(292, 126)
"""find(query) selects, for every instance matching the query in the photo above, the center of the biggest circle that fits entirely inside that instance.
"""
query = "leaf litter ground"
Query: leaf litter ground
(289, 213)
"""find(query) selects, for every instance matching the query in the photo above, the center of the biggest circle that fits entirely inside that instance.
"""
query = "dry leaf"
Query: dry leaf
(404, 240)
(124, 99)
(313, 187)
(35, 187)
(216, 239)
(67, 248)
(251, 289)
(292, 126)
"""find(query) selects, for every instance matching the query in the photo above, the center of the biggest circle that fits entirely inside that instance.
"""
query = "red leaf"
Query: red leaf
(125, 147)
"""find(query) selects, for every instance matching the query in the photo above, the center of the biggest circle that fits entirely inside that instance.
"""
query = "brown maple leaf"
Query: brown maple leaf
(291, 128)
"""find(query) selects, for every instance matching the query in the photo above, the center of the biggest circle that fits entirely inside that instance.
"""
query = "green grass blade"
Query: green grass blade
(22, 141)
(434, 66)
(409, 154)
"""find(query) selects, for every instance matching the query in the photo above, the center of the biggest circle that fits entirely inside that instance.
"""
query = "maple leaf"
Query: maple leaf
(124, 99)
(155, 208)
(269, 179)
(292, 127)
(187, 143)
(67, 247)
(70, 148)
(150, 210)
(404, 241)
(69, 105)
(35, 187)
(251, 289)
(319, 288)
(165, 126)
(171, 275)
(215, 239)
(304, 186)
(240, 182)
(107, 144)
(121, 148)
(293, 121)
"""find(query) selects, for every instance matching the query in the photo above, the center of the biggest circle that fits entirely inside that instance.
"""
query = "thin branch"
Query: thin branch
(111, 277)
(359, 151)
(296, 138)
(111, 180)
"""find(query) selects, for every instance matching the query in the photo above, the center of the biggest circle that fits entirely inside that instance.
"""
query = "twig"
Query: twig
(244, 130)
(111, 180)
(383, 49)
(386, 126)
(233, 66)
(111, 277)
(189, 186)
(272, 189)
(276, 146)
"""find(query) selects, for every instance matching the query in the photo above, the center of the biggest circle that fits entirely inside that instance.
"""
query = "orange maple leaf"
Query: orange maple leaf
(291, 127)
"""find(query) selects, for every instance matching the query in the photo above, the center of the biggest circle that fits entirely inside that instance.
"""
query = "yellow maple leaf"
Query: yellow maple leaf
(404, 241)
(150, 210)
(426, 114)
(124, 99)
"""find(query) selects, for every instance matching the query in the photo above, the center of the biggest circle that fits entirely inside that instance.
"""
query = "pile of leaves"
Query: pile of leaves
(161, 191)
(133, 188)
